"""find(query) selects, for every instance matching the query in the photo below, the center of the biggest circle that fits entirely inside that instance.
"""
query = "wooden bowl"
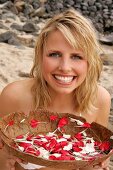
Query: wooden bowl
(16, 124)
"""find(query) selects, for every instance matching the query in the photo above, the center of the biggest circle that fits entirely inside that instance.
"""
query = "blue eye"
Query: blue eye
(54, 54)
(76, 57)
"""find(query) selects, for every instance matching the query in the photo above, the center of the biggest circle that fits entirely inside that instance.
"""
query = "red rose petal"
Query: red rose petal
(53, 117)
(78, 136)
(77, 149)
(78, 144)
(52, 157)
(52, 144)
(11, 123)
(62, 122)
(105, 146)
(25, 145)
(63, 143)
(29, 137)
(64, 152)
(20, 137)
(33, 123)
(87, 125)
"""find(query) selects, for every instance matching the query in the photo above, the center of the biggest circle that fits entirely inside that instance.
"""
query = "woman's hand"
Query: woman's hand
(10, 163)
(103, 165)
(1, 144)
(12, 160)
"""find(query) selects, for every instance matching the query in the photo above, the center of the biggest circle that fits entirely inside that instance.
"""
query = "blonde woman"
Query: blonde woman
(65, 74)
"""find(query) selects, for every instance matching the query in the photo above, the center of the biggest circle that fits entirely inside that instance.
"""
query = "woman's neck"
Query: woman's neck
(62, 103)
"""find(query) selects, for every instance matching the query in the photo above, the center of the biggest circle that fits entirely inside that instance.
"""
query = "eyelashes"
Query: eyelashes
(55, 54)
(58, 54)
(76, 57)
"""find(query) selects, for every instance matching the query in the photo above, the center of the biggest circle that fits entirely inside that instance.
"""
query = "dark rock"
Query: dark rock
(29, 27)
(8, 5)
(105, 7)
(16, 26)
(92, 14)
(105, 16)
(4, 78)
(47, 8)
(9, 38)
(59, 5)
(78, 1)
(84, 8)
(23, 18)
(108, 23)
(55, 6)
(19, 4)
(99, 27)
(38, 12)
(2, 26)
(36, 4)
(112, 103)
(70, 2)
(105, 11)
(108, 2)
(2, 1)
(28, 9)
(77, 6)
(7, 15)
(91, 3)
(84, 4)
(92, 8)
(14, 41)
(108, 39)
(4, 37)
(111, 17)
(107, 63)
(36, 20)
(11, 7)
(86, 13)
(23, 74)
(98, 5)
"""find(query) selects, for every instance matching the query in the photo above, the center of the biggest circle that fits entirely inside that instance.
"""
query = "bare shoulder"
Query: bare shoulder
(103, 96)
(104, 103)
(14, 95)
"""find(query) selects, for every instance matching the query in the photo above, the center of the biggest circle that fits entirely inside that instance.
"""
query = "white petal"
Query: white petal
(68, 147)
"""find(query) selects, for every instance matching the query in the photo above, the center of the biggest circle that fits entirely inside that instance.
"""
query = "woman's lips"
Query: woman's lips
(64, 79)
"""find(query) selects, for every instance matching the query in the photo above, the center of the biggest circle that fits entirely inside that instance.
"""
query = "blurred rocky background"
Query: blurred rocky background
(21, 22)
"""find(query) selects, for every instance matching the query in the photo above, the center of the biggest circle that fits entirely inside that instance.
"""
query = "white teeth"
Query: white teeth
(64, 79)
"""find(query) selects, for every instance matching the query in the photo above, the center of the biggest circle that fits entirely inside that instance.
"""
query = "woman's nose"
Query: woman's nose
(64, 66)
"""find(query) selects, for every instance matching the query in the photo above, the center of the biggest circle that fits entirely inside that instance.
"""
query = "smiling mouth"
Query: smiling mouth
(64, 79)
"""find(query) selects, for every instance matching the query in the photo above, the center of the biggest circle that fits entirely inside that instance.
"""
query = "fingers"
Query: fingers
(105, 163)
(106, 168)
(102, 165)
(10, 164)
(97, 167)
(19, 160)
(1, 144)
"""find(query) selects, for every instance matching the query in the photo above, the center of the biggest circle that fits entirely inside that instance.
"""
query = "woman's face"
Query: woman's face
(64, 68)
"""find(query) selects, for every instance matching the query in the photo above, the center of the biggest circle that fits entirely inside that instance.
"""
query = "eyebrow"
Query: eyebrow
(55, 51)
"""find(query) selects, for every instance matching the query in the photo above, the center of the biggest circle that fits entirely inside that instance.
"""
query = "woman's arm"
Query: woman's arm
(10, 102)
(104, 104)
(10, 99)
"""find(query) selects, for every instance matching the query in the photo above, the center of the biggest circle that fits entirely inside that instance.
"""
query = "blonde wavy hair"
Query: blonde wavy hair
(81, 34)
